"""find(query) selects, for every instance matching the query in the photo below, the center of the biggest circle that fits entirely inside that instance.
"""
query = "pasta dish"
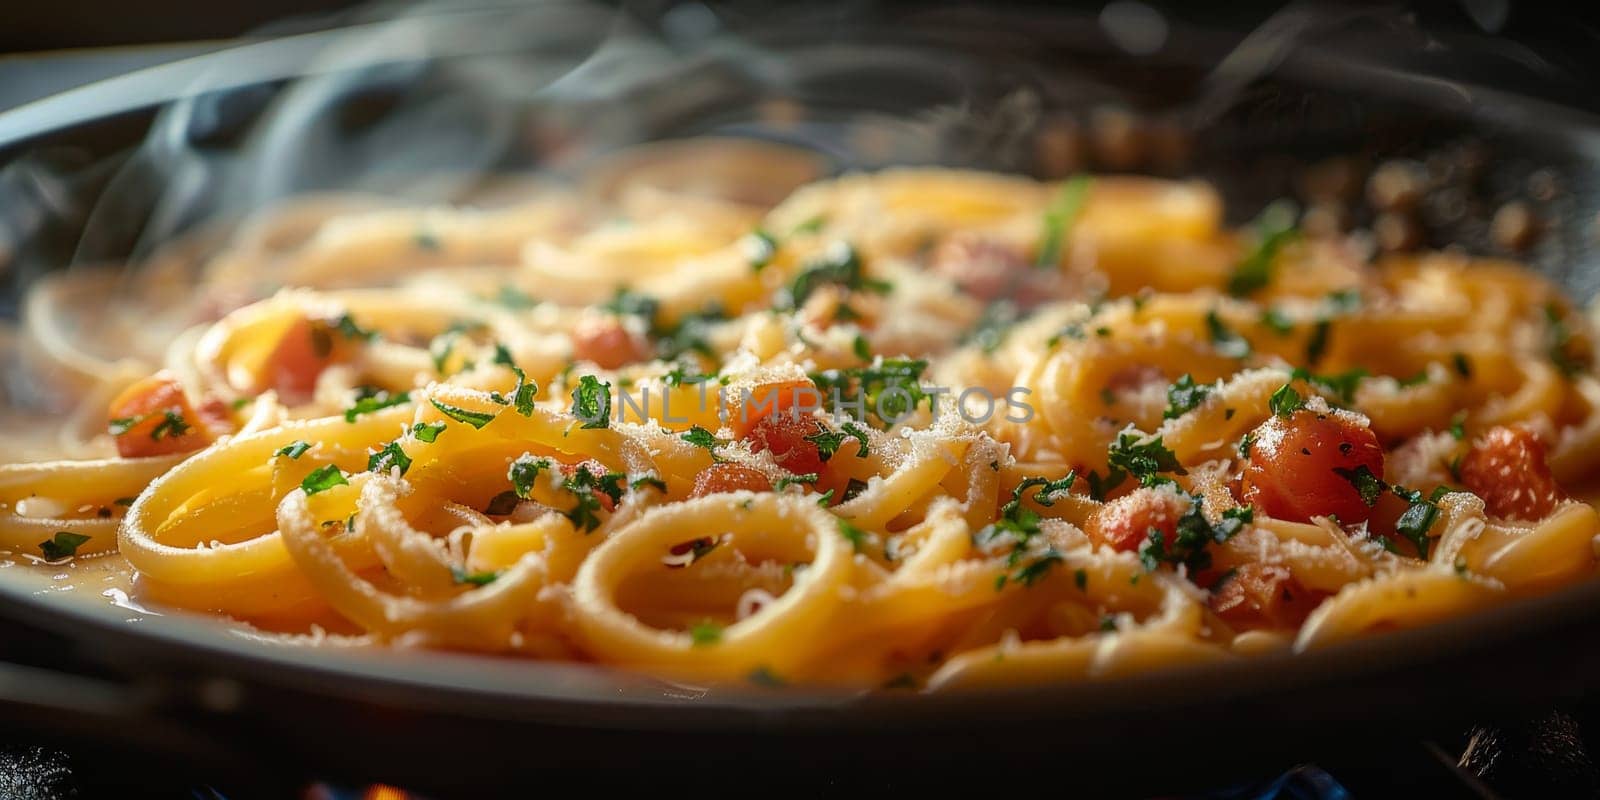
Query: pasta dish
(918, 428)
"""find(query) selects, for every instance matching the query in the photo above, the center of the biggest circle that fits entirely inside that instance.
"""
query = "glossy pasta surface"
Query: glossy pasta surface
(914, 428)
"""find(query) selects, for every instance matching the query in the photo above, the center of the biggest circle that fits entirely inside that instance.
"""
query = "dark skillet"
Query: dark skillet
(952, 86)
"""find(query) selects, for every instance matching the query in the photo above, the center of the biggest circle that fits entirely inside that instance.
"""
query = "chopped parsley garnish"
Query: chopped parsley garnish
(759, 247)
(1191, 535)
(632, 303)
(461, 576)
(1244, 444)
(591, 402)
(650, 481)
(440, 348)
(839, 265)
(502, 356)
(1560, 342)
(1020, 524)
(681, 375)
(64, 544)
(1184, 396)
(1033, 571)
(425, 240)
(860, 347)
(1418, 518)
(1368, 485)
(1286, 401)
(514, 298)
(1343, 385)
(1344, 301)
(370, 399)
(1059, 218)
(1142, 459)
(390, 457)
(523, 471)
(793, 480)
(427, 431)
(172, 425)
(346, 326)
(1414, 380)
(1458, 426)
(1080, 579)
(705, 633)
(700, 437)
(294, 449)
(323, 478)
(1277, 321)
(1317, 345)
(122, 425)
(476, 419)
(238, 403)
(1274, 229)
(855, 536)
(990, 331)
(1227, 343)
(828, 442)
(583, 485)
(889, 389)
(522, 396)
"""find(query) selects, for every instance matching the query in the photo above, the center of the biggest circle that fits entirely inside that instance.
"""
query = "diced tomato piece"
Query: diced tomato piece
(727, 477)
(153, 417)
(784, 437)
(991, 270)
(1311, 465)
(305, 350)
(608, 343)
(1260, 595)
(1507, 467)
(787, 398)
(1125, 523)
(982, 267)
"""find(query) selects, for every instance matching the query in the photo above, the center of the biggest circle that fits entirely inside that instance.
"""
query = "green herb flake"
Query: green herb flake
(795, 480)
(172, 425)
(1368, 485)
(63, 545)
(461, 576)
(591, 402)
(839, 265)
(1226, 342)
(1285, 401)
(1277, 322)
(370, 399)
(1059, 217)
(427, 431)
(648, 481)
(1274, 229)
(323, 478)
(759, 249)
(294, 449)
(705, 633)
(477, 419)
(1184, 396)
(700, 437)
(855, 536)
(389, 458)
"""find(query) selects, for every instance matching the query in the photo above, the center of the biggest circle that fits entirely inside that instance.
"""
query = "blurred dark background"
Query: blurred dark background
(1546, 49)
